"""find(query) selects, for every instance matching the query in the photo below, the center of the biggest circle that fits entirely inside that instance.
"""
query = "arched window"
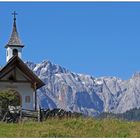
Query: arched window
(15, 52)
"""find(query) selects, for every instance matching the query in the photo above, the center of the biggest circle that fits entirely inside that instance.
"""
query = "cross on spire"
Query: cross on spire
(14, 14)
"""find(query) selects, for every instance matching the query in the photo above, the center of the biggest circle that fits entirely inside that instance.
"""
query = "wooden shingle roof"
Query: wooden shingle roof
(14, 39)
(15, 61)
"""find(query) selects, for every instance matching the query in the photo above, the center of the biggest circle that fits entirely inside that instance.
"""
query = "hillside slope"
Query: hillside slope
(131, 115)
(74, 128)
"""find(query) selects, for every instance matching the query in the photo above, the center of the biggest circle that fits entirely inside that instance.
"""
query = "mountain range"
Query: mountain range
(84, 93)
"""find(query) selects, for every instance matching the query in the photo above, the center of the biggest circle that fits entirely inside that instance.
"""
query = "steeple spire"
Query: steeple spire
(14, 40)
(14, 45)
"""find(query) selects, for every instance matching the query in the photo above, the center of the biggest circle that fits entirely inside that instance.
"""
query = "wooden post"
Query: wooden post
(37, 108)
(20, 111)
(38, 117)
(35, 96)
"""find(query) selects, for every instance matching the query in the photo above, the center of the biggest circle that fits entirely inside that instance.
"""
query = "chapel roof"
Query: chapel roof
(15, 61)
(14, 38)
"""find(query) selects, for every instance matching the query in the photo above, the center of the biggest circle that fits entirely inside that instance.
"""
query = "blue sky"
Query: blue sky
(100, 39)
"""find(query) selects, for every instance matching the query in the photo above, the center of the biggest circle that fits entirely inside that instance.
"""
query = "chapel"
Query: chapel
(16, 75)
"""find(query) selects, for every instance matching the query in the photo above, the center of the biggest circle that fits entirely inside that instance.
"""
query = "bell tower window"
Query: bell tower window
(15, 52)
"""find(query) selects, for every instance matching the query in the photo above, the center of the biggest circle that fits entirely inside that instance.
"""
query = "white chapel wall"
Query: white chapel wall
(24, 90)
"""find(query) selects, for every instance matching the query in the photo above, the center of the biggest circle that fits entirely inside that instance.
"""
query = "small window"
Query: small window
(27, 99)
(15, 52)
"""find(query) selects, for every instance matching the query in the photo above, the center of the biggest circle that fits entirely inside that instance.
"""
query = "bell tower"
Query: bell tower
(14, 45)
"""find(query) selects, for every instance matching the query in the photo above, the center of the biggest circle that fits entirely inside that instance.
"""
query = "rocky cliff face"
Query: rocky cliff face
(84, 93)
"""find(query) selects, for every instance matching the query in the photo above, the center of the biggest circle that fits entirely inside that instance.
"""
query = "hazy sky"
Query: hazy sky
(100, 39)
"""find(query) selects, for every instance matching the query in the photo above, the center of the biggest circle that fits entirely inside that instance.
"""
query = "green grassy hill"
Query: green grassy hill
(74, 127)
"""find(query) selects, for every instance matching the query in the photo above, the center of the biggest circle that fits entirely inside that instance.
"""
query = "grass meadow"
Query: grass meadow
(71, 127)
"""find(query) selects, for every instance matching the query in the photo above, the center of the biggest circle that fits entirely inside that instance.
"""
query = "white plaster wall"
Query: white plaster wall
(9, 52)
(24, 90)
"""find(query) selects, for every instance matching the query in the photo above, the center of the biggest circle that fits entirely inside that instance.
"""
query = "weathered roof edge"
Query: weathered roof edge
(24, 68)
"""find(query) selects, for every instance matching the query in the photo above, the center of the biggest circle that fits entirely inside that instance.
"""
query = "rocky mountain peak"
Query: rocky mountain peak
(136, 75)
(84, 93)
